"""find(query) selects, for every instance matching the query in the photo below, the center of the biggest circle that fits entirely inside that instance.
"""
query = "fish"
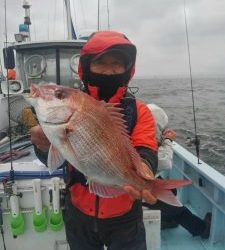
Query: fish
(92, 136)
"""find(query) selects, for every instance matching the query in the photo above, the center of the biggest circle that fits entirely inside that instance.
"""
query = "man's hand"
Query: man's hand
(39, 139)
(169, 134)
(145, 193)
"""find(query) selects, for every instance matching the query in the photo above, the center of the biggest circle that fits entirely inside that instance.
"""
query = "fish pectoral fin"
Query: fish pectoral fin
(168, 197)
(55, 159)
(104, 191)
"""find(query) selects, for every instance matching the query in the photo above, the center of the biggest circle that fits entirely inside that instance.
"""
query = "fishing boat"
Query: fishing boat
(31, 200)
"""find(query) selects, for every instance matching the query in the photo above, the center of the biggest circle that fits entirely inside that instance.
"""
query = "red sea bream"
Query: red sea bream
(91, 135)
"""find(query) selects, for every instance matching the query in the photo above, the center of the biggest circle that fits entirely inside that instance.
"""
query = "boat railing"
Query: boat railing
(207, 192)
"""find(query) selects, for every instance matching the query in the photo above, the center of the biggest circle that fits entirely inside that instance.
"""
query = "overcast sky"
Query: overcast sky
(156, 27)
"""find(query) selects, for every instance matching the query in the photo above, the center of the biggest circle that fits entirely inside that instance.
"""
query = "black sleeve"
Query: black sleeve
(42, 156)
(149, 156)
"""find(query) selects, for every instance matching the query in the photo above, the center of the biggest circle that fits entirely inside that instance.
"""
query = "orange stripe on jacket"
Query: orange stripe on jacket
(144, 132)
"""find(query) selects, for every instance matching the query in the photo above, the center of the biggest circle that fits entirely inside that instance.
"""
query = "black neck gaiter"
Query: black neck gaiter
(108, 84)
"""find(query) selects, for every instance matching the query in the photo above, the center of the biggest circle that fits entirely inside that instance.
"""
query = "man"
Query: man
(107, 64)
(165, 137)
(172, 216)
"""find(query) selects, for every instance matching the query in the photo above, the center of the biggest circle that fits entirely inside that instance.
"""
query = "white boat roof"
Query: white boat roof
(53, 43)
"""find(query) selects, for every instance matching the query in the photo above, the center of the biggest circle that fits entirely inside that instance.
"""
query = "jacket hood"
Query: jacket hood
(101, 42)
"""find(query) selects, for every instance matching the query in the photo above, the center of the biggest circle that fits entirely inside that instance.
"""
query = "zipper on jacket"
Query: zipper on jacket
(95, 226)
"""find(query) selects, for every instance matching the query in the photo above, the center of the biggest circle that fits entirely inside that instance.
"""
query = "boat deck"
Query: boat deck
(175, 238)
(178, 238)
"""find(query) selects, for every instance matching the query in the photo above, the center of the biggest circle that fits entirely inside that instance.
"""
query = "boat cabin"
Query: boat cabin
(37, 62)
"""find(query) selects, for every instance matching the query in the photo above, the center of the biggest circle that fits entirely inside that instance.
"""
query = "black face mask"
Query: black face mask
(108, 84)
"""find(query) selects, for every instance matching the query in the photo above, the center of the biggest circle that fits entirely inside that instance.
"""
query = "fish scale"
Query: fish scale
(82, 144)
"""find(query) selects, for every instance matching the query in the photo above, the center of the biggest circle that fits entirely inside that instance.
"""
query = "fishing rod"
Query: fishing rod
(196, 140)
(1, 71)
(10, 137)
(8, 99)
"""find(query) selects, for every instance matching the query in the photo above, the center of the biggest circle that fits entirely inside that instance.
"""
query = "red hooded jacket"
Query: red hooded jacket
(143, 133)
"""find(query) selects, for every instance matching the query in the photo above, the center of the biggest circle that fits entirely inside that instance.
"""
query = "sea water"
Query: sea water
(175, 97)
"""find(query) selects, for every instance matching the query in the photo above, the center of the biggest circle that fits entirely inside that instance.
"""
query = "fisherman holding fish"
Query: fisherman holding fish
(107, 141)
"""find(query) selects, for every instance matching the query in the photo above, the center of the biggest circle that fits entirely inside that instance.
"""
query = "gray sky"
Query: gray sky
(156, 27)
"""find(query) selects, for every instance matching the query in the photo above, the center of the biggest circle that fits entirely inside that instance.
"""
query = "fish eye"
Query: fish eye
(60, 94)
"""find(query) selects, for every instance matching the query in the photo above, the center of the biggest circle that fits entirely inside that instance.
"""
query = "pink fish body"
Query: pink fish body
(91, 135)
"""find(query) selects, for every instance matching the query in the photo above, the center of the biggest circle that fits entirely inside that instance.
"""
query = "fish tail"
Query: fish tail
(161, 189)
(169, 184)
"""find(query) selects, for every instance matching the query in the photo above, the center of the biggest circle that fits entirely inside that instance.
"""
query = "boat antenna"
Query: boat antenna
(64, 24)
(54, 19)
(108, 14)
(48, 26)
(27, 20)
(98, 15)
(8, 99)
(196, 140)
(70, 27)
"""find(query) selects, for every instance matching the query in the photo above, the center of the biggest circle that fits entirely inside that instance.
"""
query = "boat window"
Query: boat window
(37, 66)
(56, 65)
(69, 59)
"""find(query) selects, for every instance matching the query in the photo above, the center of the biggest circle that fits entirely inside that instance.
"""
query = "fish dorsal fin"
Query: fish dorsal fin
(117, 117)
(55, 159)
(104, 191)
